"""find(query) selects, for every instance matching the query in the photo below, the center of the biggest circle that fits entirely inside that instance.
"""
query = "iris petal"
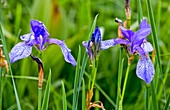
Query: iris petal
(147, 47)
(145, 69)
(20, 51)
(65, 50)
(127, 33)
(107, 44)
(144, 24)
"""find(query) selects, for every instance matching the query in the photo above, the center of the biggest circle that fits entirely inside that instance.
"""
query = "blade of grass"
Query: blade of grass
(1, 87)
(83, 95)
(140, 12)
(64, 97)
(76, 79)
(124, 87)
(120, 71)
(7, 58)
(167, 103)
(154, 33)
(154, 100)
(164, 80)
(47, 93)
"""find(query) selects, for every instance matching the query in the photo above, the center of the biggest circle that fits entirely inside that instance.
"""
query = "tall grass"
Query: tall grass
(65, 87)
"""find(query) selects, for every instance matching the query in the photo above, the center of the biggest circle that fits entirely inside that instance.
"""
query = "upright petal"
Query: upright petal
(107, 44)
(145, 69)
(127, 33)
(144, 24)
(20, 51)
(65, 50)
(39, 28)
(96, 36)
(141, 34)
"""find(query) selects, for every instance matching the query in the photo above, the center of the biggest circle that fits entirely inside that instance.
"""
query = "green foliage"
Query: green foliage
(71, 20)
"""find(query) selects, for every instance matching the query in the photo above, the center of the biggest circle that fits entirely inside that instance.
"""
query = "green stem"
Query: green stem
(119, 78)
(124, 87)
(94, 71)
(147, 98)
(39, 98)
(1, 87)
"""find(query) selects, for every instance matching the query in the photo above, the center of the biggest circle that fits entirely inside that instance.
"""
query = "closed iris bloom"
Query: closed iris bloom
(39, 38)
(95, 44)
(136, 42)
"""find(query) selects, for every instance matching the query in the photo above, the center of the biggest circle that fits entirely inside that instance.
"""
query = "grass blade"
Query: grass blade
(7, 58)
(167, 103)
(154, 33)
(47, 93)
(120, 71)
(83, 95)
(75, 90)
(64, 97)
(154, 101)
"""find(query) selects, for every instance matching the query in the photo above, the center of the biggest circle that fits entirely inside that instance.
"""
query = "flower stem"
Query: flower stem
(1, 87)
(39, 97)
(124, 87)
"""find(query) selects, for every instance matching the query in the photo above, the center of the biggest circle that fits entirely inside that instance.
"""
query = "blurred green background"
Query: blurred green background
(71, 20)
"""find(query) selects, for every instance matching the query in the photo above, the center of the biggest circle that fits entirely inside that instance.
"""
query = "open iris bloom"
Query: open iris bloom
(95, 44)
(136, 42)
(38, 37)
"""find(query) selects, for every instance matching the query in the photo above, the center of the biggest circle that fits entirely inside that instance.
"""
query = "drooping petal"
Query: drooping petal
(121, 41)
(20, 51)
(127, 33)
(147, 47)
(65, 50)
(107, 44)
(145, 69)
(28, 38)
(144, 24)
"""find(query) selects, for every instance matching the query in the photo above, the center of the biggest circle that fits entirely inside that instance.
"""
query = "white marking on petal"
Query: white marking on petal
(147, 47)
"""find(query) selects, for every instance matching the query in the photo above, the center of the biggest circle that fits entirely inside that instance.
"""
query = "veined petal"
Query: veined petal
(147, 47)
(39, 28)
(144, 24)
(65, 50)
(20, 51)
(121, 41)
(145, 69)
(127, 33)
(141, 34)
(96, 36)
(107, 44)
(28, 38)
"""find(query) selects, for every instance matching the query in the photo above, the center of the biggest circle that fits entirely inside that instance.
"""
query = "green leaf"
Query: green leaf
(83, 95)
(64, 97)
(47, 93)
(7, 58)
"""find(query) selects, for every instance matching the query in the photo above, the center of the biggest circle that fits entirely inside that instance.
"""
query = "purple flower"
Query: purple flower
(94, 45)
(39, 37)
(136, 42)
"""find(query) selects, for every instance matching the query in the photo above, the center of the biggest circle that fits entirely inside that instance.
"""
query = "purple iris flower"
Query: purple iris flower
(136, 42)
(39, 37)
(95, 44)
